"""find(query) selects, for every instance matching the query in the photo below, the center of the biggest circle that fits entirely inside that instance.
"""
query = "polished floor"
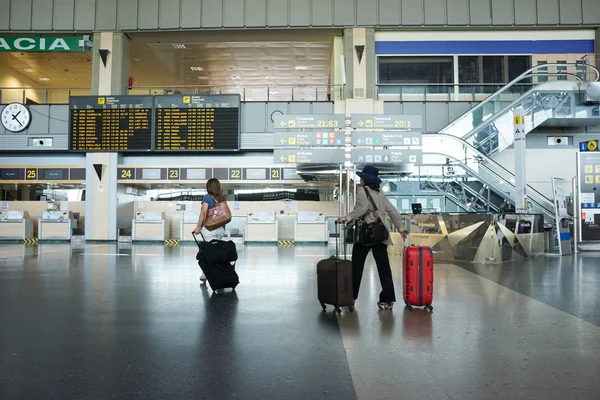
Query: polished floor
(109, 322)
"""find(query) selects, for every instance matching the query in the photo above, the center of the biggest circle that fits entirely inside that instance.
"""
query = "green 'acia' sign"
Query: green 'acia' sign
(44, 43)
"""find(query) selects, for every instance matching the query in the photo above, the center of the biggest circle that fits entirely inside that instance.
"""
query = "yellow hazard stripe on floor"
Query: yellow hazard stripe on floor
(30, 241)
(285, 243)
(171, 242)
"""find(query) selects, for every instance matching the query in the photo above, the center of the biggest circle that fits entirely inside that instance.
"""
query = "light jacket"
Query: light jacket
(364, 207)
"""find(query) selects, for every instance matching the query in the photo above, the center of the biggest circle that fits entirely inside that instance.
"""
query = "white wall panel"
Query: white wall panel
(458, 12)
(299, 12)
(322, 12)
(168, 14)
(525, 12)
(591, 12)
(503, 12)
(256, 13)
(233, 13)
(480, 12)
(435, 12)
(106, 15)
(389, 12)
(571, 12)
(63, 15)
(5, 15)
(366, 13)
(412, 12)
(85, 12)
(212, 13)
(147, 14)
(277, 13)
(127, 14)
(20, 14)
(344, 13)
(190, 13)
(547, 12)
(40, 14)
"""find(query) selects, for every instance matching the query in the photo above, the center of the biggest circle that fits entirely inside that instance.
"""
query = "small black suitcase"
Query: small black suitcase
(334, 280)
(220, 275)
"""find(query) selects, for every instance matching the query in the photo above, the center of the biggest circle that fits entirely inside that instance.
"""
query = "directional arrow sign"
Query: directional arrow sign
(376, 156)
(324, 121)
(290, 139)
(312, 156)
(399, 122)
(383, 138)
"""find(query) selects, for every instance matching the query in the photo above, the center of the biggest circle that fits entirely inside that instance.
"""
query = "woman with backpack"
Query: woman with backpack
(210, 200)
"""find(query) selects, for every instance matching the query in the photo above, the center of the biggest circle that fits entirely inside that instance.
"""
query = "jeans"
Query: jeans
(359, 256)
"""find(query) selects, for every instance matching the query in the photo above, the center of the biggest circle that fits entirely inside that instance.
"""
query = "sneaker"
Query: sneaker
(385, 305)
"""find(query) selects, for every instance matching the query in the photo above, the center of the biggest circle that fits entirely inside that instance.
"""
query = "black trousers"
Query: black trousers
(359, 256)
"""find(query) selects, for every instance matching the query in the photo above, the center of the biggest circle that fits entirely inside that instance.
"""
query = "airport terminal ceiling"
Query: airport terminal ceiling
(213, 62)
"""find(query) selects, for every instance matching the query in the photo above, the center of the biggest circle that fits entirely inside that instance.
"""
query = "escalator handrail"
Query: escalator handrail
(524, 75)
(483, 156)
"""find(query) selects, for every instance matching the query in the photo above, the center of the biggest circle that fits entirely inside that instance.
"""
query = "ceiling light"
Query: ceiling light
(136, 59)
(273, 92)
(235, 78)
(30, 70)
(197, 69)
(301, 68)
(179, 46)
(44, 79)
(204, 77)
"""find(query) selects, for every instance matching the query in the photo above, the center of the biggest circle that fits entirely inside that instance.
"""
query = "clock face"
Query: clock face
(15, 117)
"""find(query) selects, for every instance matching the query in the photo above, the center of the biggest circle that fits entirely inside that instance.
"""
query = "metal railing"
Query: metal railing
(584, 70)
(60, 95)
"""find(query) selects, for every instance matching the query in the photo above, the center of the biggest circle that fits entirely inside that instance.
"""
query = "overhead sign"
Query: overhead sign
(371, 121)
(309, 121)
(389, 156)
(291, 139)
(183, 173)
(44, 43)
(387, 138)
(313, 156)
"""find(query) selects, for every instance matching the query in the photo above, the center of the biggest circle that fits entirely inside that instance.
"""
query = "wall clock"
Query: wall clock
(15, 117)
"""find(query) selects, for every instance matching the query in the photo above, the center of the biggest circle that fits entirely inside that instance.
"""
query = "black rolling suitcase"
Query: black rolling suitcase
(334, 281)
(215, 258)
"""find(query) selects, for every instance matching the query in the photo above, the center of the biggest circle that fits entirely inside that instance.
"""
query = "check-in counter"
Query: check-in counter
(149, 226)
(15, 225)
(262, 227)
(56, 225)
(311, 227)
(479, 238)
(188, 225)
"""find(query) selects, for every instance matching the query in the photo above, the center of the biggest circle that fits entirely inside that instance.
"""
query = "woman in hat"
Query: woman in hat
(370, 183)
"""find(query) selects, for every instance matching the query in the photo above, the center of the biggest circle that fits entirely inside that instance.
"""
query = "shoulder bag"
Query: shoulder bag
(375, 232)
(218, 216)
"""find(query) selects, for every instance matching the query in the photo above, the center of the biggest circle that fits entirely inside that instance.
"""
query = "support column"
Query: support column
(110, 72)
(360, 60)
(596, 58)
(520, 161)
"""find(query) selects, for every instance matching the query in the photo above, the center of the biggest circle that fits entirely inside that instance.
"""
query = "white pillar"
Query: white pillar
(520, 161)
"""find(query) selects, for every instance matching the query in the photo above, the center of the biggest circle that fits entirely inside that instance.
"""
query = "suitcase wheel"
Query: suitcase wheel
(351, 309)
(429, 307)
(324, 306)
(338, 310)
(409, 306)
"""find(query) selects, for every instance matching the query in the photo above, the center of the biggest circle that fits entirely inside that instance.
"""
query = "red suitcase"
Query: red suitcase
(418, 277)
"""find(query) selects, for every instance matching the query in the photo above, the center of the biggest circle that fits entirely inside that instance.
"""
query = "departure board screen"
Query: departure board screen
(110, 123)
(197, 123)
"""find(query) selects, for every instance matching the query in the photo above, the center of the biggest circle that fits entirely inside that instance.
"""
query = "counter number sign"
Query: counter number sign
(235, 174)
(126, 174)
(173, 174)
(30, 174)
(275, 174)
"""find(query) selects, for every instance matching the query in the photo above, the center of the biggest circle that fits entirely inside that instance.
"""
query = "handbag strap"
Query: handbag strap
(372, 201)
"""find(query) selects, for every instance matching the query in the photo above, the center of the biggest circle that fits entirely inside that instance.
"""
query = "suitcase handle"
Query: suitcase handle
(338, 240)
(195, 239)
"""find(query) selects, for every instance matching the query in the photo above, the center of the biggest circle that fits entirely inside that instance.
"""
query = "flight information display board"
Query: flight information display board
(110, 123)
(197, 123)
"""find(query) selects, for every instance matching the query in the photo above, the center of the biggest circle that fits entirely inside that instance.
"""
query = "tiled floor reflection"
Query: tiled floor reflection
(132, 322)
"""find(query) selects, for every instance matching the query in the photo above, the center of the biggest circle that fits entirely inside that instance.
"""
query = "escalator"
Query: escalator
(487, 129)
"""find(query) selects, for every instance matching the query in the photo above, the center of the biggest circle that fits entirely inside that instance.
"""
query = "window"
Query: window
(435, 73)
(487, 74)
(541, 71)
(561, 68)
